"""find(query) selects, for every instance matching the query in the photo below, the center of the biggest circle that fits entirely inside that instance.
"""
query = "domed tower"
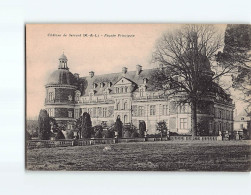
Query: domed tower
(60, 90)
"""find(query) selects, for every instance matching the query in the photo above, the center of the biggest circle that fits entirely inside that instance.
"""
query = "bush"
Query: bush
(59, 135)
(70, 135)
(134, 134)
(142, 128)
(127, 134)
(98, 134)
(109, 134)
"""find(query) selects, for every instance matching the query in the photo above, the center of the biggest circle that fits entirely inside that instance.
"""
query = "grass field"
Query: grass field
(145, 156)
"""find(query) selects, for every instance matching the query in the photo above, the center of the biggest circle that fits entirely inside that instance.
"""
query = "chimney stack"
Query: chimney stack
(124, 70)
(91, 74)
(138, 69)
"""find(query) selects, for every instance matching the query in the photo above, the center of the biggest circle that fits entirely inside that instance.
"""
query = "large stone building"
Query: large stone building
(130, 95)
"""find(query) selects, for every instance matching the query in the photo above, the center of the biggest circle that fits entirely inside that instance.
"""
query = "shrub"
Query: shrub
(98, 134)
(127, 134)
(142, 128)
(59, 135)
(44, 125)
(70, 135)
(134, 134)
(109, 134)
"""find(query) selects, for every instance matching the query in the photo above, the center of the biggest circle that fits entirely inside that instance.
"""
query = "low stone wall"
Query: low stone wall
(199, 138)
(31, 144)
(49, 143)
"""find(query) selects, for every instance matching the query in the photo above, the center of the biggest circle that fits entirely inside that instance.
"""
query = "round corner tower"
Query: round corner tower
(60, 90)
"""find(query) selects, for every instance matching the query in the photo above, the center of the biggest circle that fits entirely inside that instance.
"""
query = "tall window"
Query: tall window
(76, 113)
(70, 114)
(183, 123)
(122, 89)
(165, 110)
(219, 113)
(141, 111)
(50, 112)
(50, 96)
(118, 106)
(125, 106)
(152, 110)
(104, 112)
(220, 126)
(126, 89)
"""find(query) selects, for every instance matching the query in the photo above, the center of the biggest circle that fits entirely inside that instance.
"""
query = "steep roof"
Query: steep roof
(112, 78)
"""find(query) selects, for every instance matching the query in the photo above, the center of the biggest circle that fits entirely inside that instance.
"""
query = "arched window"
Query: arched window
(118, 105)
(125, 105)
(122, 89)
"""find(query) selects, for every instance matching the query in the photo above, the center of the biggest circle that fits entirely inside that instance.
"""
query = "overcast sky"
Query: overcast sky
(100, 54)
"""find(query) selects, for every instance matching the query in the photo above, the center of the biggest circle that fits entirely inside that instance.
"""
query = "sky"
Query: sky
(102, 54)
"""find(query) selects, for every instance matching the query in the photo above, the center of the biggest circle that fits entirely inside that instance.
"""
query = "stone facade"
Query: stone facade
(128, 94)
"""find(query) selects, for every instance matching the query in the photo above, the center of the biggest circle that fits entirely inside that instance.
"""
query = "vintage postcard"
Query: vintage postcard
(138, 97)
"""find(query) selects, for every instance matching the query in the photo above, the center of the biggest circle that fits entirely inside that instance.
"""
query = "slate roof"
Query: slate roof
(114, 78)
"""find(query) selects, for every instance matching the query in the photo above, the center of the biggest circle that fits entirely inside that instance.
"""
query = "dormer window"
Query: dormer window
(145, 80)
(95, 85)
(102, 85)
(141, 92)
(109, 84)
(91, 96)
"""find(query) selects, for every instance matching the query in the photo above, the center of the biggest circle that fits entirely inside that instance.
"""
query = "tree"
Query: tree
(86, 125)
(44, 125)
(162, 128)
(186, 57)
(142, 128)
(118, 126)
(237, 53)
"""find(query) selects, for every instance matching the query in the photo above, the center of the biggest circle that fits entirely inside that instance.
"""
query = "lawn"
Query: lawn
(145, 156)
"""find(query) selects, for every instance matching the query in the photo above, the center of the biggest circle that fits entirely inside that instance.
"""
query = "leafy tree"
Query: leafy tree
(237, 53)
(186, 57)
(162, 128)
(44, 125)
(142, 128)
(86, 125)
(118, 126)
